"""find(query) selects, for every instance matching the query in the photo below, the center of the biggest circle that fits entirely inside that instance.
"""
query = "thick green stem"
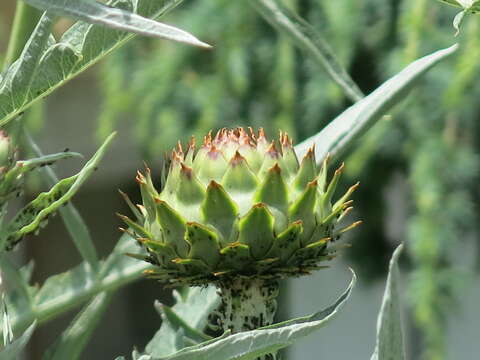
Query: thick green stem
(26, 17)
(246, 304)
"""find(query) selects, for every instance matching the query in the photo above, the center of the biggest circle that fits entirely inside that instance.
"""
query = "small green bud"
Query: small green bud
(6, 152)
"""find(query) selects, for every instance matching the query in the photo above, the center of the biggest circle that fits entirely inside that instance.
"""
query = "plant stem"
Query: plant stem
(247, 304)
(26, 17)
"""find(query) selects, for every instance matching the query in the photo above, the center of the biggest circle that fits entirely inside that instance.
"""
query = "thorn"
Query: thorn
(237, 159)
(187, 171)
(350, 227)
(275, 168)
(340, 169)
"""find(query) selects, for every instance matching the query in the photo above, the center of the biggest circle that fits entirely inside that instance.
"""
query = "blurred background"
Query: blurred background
(418, 168)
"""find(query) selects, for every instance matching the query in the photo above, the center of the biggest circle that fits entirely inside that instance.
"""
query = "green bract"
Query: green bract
(239, 206)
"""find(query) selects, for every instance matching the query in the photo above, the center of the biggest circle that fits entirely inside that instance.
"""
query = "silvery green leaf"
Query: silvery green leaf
(65, 291)
(389, 344)
(250, 345)
(35, 213)
(187, 317)
(95, 12)
(13, 350)
(7, 327)
(76, 226)
(73, 340)
(46, 64)
(340, 133)
(468, 6)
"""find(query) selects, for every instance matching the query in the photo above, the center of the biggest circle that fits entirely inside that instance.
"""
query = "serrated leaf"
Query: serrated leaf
(357, 119)
(63, 292)
(30, 218)
(45, 65)
(389, 344)
(250, 345)
(97, 13)
(74, 222)
(13, 350)
(74, 339)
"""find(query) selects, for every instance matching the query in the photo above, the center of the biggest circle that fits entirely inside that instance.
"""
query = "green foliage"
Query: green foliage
(14, 349)
(45, 64)
(73, 340)
(389, 344)
(35, 214)
(249, 345)
(256, 76)
(97, 13)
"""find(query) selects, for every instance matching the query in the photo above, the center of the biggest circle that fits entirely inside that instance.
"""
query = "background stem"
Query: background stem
(26, 17)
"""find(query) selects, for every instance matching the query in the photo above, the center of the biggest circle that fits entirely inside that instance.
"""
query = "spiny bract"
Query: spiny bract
(239, 206)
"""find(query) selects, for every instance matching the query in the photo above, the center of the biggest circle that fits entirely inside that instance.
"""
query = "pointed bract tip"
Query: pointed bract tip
(350, 227)
(186, 170)
(140, 178)
(354, 187)
(147, 168)
(252, 133)
(272, 150)
(236, 159)
(121, 216)
(313, 183)
(340, 169)
(179, 148)
(310, 153)
(275, 169)
(213, 184)
(261, 135)
(259, 205)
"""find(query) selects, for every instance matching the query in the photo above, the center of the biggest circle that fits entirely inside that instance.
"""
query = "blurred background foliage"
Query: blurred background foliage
(418, 167)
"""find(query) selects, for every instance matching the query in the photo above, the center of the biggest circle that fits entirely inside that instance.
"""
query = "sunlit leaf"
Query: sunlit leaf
(46, 64)
(74, 339)
(97, 13)
(389, 344)
(339, 134)
(34, 214)
(249, 345)
(13, 350)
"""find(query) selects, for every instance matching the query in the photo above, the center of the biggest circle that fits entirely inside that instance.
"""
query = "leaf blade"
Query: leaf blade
(79, 48)
(389, 343)
(252, 344)
(357, 119)
(74, 339)
(96, 13)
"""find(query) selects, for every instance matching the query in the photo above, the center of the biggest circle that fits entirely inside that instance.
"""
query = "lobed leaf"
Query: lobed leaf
(32, 216)
(72, 219)
(46, 64)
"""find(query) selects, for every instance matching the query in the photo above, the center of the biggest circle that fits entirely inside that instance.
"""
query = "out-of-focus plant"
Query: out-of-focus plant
(307, 79)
